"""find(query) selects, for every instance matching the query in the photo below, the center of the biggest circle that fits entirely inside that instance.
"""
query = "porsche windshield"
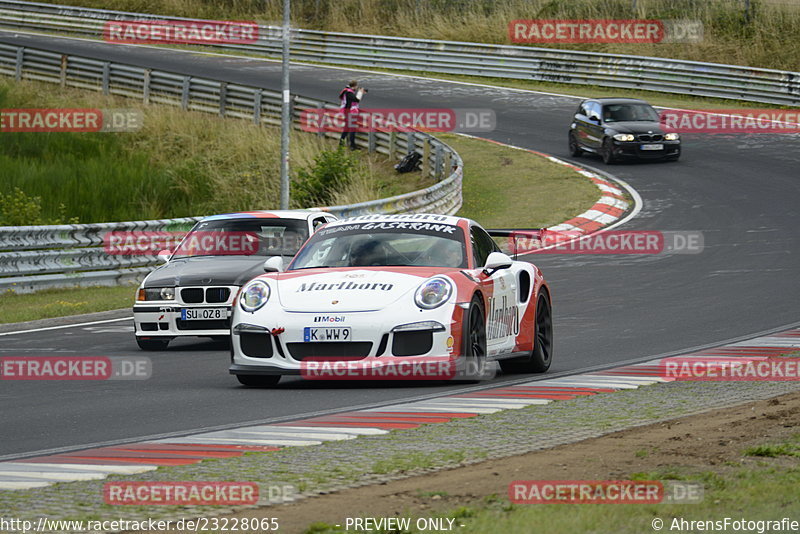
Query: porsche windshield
(244, 237)
(384, 243)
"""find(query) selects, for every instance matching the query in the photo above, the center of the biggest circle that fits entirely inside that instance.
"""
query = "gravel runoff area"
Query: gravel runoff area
(332, 466)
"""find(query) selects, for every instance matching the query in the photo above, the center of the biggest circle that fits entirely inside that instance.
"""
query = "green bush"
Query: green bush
(332, 171)
(19, 209)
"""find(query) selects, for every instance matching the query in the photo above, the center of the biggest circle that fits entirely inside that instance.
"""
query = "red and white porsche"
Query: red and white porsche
(382, 288)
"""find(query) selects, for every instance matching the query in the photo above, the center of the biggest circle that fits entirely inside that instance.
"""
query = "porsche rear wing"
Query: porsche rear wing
(519, 241)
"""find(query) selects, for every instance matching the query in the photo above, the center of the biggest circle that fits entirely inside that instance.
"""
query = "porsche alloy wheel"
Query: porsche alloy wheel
(475, 347)
(258, 381)
(541, 356)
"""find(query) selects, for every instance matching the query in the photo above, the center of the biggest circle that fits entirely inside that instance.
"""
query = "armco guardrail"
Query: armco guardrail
(34, 257)
(499, 61)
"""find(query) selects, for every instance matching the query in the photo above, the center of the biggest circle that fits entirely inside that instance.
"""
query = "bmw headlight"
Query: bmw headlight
(672, 136)
(156, 293)
(254, 296)
(624, 137)
(433, 293)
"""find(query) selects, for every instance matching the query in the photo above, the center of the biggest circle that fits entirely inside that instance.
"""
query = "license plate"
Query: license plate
(201, 314)
(326, 334)
(653, 147)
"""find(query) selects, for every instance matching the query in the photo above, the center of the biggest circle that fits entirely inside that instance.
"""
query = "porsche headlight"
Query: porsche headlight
(433, 293)
(156, 293)
(254, 296)
(672, 136)
(624, 137)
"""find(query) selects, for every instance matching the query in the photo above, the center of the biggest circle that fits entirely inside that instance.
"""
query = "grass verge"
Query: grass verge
(62, 302)
(511, 188)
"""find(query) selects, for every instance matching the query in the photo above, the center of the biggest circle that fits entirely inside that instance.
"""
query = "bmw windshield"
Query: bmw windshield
(630, 113)
(244, 237)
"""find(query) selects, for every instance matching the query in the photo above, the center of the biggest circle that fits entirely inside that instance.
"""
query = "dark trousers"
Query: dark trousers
(350, 129)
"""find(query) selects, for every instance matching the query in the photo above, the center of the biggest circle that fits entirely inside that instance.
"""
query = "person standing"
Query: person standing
(350, 98)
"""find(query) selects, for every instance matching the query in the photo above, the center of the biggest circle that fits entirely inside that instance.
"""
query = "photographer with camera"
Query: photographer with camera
(350, 98)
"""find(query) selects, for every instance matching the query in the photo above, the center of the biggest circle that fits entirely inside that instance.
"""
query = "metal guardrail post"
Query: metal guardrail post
(187, 84)
(146, 86)
(437, 165)
(63, 74)
(447, 162)
(257, 106)
(18, 64)
(392, 143)
(106, 77)
(426, 156)
(223, 98)
(411, 142)
(372, 141)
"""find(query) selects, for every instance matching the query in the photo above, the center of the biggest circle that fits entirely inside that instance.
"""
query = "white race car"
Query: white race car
(191, 295)
(392, 288)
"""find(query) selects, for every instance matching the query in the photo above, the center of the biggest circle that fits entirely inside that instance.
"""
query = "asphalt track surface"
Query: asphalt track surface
(742, 192)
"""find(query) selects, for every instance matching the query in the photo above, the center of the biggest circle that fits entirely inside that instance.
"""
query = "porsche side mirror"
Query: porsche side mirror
(274, 265)
(164, 255)
(497, 261)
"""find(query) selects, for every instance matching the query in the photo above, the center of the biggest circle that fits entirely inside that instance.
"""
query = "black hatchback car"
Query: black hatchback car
(621, 128)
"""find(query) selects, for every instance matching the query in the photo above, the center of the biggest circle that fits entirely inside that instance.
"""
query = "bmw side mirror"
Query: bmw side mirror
(497, 261)
(274, 265)
(164, 255)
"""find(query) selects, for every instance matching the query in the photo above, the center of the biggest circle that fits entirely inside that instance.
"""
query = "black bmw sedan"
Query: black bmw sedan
(621, 128)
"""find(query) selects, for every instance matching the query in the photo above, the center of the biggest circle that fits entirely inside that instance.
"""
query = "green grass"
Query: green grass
(61, 302)
(506, 187)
